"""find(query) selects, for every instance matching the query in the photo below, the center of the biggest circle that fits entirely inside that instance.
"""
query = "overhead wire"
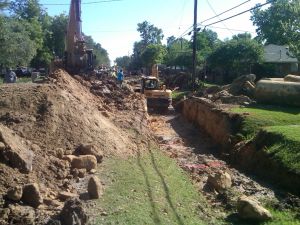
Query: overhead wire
(228, 10)
(212, 9)
(243, 12)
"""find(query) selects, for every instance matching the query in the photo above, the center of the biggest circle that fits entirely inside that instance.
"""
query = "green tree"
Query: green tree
(149, 33)
(178, 51)
(207, 41)
(26, 9)
(235, 56)
(16, 46)
(100, 53)
(279, 24)
(58, 30)
(123, 61)
(153, 54)
(3, 5)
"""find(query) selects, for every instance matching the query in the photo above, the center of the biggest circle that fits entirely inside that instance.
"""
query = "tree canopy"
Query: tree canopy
(236, 55)
(29, 36)
(279, 24)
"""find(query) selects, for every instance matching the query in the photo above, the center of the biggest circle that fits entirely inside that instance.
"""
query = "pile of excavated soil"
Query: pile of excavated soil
(47, 120)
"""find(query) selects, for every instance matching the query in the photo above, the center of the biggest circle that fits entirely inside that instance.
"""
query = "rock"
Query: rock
(93, 171)
(21, 215)
(66, 195)
(15, 193)
(4, 213)
(60, 153)
(53, 222)
(52, 202)
(94, 187)
(69, 158)
(81, 173)
(251, 209)
(87, 162)
(75, 172)
(73, 213)
(2, 146)
(84, 149)
(220, 181)
(31, 195)
(15, 153)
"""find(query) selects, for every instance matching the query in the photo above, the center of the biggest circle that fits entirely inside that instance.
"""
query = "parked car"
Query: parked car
(22, 72)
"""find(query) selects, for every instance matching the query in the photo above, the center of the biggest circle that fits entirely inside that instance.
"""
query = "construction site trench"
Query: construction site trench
(65, 145)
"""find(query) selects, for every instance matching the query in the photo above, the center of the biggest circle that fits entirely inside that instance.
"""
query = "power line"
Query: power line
(225, 11)
(237, 30)
(190, 28)
(83, 3)
(256, 7)
(212, 9)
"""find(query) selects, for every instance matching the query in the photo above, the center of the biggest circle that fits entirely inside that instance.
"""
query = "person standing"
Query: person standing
(10, 76)
(120, 77)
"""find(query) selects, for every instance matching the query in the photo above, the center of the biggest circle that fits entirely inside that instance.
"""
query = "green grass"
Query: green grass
(20, 80)
(261, 116)
(178, 95)
(286, 146)
(286, 217)
(24, 80)
(150, 189)
(283, 124)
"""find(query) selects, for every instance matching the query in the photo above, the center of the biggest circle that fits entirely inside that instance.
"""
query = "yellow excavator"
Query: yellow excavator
(78, 59)
(157, 96)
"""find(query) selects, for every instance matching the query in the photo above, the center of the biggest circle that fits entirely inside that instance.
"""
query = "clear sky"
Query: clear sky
(114, 24)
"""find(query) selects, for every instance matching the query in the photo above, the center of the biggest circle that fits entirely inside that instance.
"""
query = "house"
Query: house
(280, 57)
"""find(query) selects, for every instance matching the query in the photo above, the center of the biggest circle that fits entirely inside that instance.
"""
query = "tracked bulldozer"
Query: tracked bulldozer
(78, 59)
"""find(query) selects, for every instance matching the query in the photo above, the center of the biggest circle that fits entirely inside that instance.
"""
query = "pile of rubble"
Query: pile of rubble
(52, 139)
(240, 91)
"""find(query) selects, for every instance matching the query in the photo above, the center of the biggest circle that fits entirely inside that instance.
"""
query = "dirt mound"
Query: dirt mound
(55, 118)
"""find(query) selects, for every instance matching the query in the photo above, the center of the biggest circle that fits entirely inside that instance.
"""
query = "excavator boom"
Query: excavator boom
(77, 58)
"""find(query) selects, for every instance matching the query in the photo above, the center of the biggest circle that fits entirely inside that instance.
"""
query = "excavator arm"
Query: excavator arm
(78, 59)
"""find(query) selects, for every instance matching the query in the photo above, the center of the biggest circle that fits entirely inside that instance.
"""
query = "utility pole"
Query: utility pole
(194, 45)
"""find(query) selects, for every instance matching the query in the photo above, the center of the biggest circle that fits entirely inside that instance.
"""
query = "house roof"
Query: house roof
(278, 54)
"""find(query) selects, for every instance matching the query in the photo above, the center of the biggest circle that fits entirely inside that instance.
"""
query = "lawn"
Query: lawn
(283, 126)
(261, 116)
(19, 80)
(150, 189)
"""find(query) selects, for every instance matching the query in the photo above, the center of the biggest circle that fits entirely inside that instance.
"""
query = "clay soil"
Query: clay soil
(62, 114)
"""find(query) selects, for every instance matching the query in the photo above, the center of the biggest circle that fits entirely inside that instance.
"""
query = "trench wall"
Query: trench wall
(220, 125)
(223, 126)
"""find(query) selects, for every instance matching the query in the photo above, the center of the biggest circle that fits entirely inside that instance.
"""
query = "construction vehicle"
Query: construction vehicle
(78, 59)
(157, 96)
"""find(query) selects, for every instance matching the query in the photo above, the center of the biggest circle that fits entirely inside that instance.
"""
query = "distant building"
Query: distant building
(280, 56)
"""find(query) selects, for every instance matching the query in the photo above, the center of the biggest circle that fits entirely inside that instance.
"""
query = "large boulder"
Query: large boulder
(94, 187)
(73, 213)
(87, 162)
(88, 149)
(15, 154)
(31, 195)
(250, 209)
(220, 181)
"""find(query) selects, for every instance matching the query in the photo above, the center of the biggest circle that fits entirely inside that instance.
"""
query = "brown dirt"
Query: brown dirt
(195, 152)
(64, 113)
